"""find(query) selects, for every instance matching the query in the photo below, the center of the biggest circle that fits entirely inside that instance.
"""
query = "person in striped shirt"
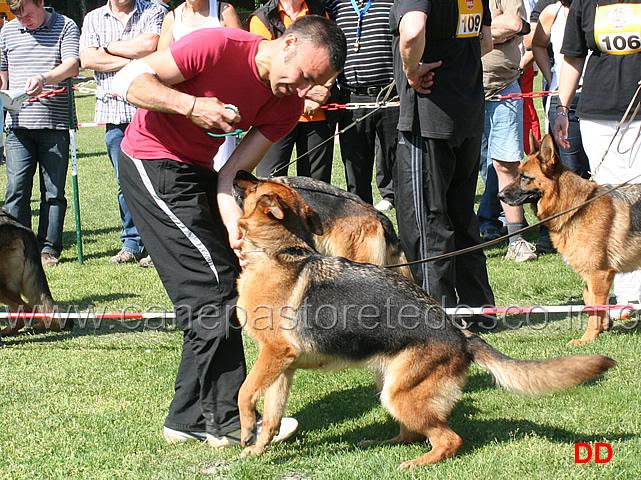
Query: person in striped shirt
(38, 48)
(368, 69)
(112, 36)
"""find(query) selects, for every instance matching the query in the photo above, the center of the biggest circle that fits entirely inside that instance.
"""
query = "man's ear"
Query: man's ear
(289, 42)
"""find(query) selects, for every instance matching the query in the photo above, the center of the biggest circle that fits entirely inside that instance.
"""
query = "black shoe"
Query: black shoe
(490, 234)
(544, 245)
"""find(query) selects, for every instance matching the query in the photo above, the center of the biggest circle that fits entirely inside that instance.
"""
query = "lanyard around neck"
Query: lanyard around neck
(361, 14)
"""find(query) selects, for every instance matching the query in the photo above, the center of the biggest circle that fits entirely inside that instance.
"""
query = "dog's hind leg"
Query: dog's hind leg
(597, 291)
(16, 305)
(270, 369)
(420, 391)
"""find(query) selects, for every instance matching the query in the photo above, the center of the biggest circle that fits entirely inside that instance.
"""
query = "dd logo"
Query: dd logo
(583, 453)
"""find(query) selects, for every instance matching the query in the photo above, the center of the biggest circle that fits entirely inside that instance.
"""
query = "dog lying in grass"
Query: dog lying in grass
(305, 310)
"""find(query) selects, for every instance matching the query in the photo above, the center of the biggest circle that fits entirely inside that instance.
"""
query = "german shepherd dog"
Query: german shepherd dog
(597, 240)
(352, 228)
(305, 310)
(21, 273)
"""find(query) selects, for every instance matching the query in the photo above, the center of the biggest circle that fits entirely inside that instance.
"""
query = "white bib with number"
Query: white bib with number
(470, 15)
(617, 28)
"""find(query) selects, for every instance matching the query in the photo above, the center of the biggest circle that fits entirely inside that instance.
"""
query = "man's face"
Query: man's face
(298, 68)
(123, 4)
(33, 15)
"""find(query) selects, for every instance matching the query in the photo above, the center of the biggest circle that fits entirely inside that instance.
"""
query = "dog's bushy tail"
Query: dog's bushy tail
(536, 377)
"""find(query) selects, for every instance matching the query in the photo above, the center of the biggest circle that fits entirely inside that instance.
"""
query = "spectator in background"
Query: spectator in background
(549, 31)
(527, 40)
(39, 48)
(528, 71)
(313, 131)
(440, 128)
(112, 36)
(502, 146)
(3, 19)
(368, 69)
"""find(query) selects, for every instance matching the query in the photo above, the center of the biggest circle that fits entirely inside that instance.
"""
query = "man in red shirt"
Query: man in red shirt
(211, 82)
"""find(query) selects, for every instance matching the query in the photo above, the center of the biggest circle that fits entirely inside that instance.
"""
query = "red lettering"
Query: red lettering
(597, 451)
(577, 453)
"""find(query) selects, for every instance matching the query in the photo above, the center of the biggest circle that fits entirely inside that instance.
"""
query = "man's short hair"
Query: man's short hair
(17, 6)
(322, 32)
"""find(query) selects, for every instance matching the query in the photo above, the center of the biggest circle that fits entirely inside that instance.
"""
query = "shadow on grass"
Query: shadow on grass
(476, 433)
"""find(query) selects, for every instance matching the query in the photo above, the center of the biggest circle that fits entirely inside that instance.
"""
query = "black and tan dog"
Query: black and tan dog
(597, 240)
(351, 228)
(21, 274)
(305, 310)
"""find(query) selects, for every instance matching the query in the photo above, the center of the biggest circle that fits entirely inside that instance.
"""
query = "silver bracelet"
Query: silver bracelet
(561, 114)
(44, 80)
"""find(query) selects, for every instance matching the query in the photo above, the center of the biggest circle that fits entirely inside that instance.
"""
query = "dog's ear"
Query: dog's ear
(534, 143)
(548, 157)
(270, 205)
(313, 221)
(244, 175)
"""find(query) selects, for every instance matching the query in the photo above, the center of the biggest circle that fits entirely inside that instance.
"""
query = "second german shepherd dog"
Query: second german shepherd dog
(597, 240)
(21, 273)
(352, 228)
(305, 310)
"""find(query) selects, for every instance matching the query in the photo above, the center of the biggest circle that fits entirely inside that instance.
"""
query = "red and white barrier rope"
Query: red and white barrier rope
(461, 310)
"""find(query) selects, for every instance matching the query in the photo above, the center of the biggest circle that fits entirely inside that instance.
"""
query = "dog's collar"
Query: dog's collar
(243, 238)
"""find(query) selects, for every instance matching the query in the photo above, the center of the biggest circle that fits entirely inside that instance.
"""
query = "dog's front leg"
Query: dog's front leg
(271, 364)
(597, 290)
(273, 410)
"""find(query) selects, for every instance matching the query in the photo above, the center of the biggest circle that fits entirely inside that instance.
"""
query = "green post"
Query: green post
(74, 167)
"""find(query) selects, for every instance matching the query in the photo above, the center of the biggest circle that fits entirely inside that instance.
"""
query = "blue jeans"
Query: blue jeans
(502, 140)
(130, 237)
(25, 150)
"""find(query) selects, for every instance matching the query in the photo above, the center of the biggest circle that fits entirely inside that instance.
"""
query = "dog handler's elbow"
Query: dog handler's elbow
(125, 77)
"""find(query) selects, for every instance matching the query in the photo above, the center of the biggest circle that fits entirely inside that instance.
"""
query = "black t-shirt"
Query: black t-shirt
(456, 107)
(539, 6)
(609, 81)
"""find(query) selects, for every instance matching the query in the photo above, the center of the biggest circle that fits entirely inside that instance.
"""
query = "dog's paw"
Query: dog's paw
(248, 438)
(253, 450)
(577, 342)
(407, 465)
(368, 443)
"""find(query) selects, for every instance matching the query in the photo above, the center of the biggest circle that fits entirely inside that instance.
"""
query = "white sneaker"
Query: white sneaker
(521, 251)
(624, 313)
(383, 205)
(177, 436)
(288, 426)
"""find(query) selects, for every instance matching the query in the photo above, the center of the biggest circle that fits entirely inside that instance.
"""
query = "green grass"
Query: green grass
(89, 404)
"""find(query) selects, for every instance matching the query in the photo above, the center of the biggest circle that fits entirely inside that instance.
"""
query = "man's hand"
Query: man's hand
(230, 212)
(311, 107)
(34, 85)
(421, 78)
(209, 112)
(560, 131)
(318, 94)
